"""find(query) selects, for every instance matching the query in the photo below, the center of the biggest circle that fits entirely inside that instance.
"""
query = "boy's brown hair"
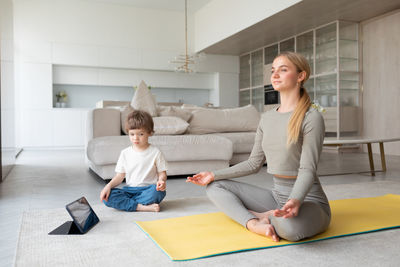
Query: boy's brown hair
(139, 119)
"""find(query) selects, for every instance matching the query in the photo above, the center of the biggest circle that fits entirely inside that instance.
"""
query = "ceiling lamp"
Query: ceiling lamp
(184, 61)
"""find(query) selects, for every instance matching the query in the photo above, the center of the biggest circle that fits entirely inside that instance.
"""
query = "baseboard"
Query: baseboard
(39, 148)
(18, 151)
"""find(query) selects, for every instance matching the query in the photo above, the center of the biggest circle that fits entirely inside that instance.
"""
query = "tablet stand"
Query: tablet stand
(67, 228)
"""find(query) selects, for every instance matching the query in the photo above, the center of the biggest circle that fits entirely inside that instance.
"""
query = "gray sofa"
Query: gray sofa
(186, 153)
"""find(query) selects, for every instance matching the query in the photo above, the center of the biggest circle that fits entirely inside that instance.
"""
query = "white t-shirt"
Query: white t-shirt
(141, 167)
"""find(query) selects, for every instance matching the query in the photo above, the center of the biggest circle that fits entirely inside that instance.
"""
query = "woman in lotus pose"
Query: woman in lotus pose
(290, 140)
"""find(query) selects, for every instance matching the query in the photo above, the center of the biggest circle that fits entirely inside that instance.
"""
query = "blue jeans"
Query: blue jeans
(128, 197)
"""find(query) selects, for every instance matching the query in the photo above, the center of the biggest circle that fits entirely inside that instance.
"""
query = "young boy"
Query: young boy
(144, 167)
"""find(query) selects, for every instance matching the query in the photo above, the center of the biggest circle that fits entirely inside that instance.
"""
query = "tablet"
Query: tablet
(82, 214)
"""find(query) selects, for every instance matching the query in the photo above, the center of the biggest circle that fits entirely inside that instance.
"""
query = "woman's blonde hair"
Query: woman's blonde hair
(296, 120)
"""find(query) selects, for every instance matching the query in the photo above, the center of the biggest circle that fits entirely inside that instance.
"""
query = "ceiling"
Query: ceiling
(177, 5)
(297, 19)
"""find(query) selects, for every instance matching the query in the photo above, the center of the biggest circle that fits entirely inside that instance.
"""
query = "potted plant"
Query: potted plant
(61, 99)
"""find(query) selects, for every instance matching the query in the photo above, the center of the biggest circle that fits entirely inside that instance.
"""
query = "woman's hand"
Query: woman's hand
(202, 178)
(105, 193)
(289, 210)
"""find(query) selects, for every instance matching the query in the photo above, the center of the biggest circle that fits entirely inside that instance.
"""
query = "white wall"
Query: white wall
(129, 77)
(7, 87)
(224, 96)
(381, 79)
(220, 19)
(72, 33)
(100, 24)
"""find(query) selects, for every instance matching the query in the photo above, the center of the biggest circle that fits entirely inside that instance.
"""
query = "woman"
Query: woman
(290, 139)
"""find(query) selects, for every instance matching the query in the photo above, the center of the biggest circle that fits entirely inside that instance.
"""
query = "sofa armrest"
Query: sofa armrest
(103, 122)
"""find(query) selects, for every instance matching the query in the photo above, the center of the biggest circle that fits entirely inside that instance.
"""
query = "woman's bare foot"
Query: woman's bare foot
(152, 207)
(262, 227)
(262, 215)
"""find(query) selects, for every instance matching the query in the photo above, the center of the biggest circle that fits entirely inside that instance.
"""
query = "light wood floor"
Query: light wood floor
(51, 179)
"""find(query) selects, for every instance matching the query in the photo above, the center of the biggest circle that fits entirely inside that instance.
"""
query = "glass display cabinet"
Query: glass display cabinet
(257, 98)
(270, 52)
(244, 74)
(287, 45)
(305, 46)
(251, 87)
(244, 97)
(332, 51)
(257, 88)
(336, 79)
(244, 80)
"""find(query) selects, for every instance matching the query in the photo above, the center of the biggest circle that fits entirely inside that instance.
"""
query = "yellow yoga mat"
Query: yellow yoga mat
(205, 235)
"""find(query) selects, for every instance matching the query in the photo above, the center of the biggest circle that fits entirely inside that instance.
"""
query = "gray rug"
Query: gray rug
(117, 241)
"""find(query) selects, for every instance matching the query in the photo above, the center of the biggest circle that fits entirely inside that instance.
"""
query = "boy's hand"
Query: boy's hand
(105, 193)
(161, 185)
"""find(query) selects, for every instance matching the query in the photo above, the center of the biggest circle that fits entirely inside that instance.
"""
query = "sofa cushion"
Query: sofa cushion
(243, 142)
(106, 150)
(174, 167)
(124, 115)
(174, 111)
(243, 119)
(193, 147)
(103, 122)
(144, 100)
(162, 125)
(169, 125)
(191, 108)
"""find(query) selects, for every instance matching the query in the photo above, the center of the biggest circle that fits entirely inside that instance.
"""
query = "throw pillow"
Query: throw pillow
(169, 125)
(243, 119)
(144, 100)
(124, 114)
(172, 111)
(191, 107)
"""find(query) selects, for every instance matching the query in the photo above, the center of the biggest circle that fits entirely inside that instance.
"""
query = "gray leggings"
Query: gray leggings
(235, 199)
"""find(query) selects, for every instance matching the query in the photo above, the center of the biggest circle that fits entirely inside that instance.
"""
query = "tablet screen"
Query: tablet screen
(83, 215)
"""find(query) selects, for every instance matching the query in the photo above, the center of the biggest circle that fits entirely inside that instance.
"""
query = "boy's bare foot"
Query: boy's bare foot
(262, 227)
(152, 207)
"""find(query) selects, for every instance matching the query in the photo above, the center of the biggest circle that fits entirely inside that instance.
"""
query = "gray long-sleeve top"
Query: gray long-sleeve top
(300, 159)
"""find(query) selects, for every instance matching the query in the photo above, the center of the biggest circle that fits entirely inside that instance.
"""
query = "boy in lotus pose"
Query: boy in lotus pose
(144, 167)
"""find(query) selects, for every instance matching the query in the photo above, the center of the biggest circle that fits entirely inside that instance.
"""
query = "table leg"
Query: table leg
(371, 159)
(383, 161)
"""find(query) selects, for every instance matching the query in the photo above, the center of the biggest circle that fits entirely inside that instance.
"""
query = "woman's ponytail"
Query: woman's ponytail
(296, 120)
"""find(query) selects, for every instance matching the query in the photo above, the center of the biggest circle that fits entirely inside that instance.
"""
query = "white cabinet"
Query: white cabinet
(69, 127)
(87, 85)
(36, 81)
